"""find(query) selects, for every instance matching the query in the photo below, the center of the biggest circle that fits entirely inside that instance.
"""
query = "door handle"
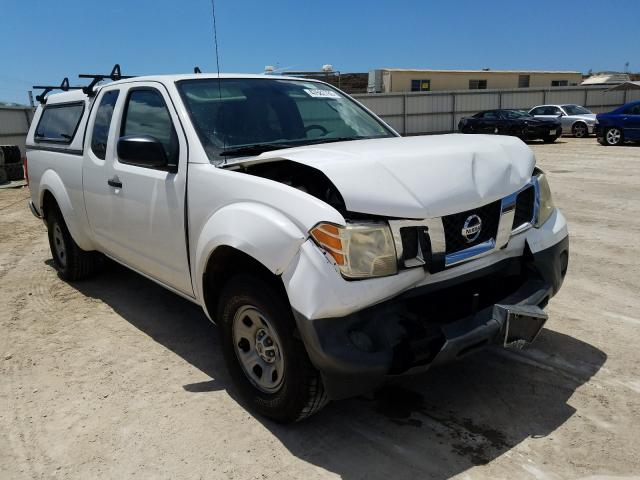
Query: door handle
(114, 182)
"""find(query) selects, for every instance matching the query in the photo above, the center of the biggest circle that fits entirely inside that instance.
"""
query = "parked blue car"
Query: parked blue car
(620, 125)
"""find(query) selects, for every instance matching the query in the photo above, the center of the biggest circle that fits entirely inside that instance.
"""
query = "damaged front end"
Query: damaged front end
(497, 305)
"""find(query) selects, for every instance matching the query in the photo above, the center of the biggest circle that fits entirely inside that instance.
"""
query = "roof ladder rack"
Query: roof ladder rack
(96, 78)
(64, 86)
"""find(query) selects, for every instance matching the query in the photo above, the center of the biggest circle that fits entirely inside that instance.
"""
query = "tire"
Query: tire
(71, 262)
(549, 139)
(14, 171)
(11, 153)
(256, 320)
(580, 130)
(3, 174)
(612, 137)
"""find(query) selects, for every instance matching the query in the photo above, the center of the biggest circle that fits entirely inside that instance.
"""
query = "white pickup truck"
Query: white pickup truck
(332, 253)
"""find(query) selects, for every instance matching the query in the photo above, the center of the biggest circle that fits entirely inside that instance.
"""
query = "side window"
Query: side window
(146, 114)
(420, 85)
(58, 123)
(102, 123)
(490, 115)
(556, 111)
(634, 110)
(477, 84)
(537, 111)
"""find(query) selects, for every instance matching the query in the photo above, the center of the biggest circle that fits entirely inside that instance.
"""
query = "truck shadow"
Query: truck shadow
(435, 425)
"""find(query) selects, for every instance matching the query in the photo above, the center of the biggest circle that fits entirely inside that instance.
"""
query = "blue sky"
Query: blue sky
(45, 41)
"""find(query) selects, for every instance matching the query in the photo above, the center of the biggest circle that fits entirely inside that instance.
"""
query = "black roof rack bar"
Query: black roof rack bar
(64, 86)
(114, 75)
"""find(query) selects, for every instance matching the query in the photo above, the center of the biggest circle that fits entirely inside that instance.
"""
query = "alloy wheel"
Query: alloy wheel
(580, 130)
(614, 136)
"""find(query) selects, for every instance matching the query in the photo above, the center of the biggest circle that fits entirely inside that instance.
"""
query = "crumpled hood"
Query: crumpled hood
(418, 177)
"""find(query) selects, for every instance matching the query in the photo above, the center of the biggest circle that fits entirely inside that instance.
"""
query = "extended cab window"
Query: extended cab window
(102, 123)
(146, 114)
(58, 123)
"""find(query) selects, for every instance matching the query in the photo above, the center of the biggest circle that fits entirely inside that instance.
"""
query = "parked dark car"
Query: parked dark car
(517, 123)
(620, 125)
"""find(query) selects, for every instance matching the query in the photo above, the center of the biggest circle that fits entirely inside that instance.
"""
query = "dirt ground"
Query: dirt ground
(117, 378)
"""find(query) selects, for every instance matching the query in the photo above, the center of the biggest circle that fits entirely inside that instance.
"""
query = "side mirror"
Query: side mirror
(142, 151)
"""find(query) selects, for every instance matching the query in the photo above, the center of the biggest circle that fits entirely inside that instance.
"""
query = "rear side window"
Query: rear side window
(58, 123)
(147, 114)
(102, 123)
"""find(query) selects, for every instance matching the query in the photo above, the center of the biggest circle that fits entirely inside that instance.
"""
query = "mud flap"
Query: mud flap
(521, 324)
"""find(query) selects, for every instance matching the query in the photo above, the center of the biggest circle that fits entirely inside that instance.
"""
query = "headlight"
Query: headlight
(361, 250)
(546, 202)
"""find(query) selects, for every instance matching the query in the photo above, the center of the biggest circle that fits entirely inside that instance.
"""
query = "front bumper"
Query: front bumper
(598, 130)
(539, 131)
(434, 323)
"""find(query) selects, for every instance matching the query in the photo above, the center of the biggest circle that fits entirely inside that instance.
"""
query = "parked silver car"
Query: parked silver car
(575, 119)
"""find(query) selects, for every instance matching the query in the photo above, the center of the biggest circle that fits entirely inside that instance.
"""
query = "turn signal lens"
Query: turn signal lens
(328, 237)
(361, 250)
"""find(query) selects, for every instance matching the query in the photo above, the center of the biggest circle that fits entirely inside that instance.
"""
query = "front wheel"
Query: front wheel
(580, 130)
(612, 137)
(268, 364)
(549, 139)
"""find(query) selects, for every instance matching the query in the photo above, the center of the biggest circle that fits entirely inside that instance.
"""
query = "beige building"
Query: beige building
(404, 80)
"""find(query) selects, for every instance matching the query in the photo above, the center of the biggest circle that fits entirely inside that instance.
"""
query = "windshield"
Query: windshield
(515, 114)
(247, 116)
(576, 110)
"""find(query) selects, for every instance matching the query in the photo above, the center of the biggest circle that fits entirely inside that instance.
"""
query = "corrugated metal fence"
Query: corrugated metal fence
(413, 113)
(439, 112)
(14, 125)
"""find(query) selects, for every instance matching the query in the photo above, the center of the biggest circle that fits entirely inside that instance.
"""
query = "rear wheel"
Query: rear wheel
(268, 364)
(612, 136)
(72, 263)
(549, 139)
(580, 130)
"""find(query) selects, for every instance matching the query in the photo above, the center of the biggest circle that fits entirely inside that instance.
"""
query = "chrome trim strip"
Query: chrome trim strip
(474, 252)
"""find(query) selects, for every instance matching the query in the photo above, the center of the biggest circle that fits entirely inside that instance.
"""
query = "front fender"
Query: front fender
(74, 216)
(260, 231)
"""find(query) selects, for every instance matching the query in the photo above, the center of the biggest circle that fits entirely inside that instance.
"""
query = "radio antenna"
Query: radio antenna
(215, 40)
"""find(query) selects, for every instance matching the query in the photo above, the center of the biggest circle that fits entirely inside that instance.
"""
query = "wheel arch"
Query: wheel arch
(53, 193)
(243, 237)
(223, 264)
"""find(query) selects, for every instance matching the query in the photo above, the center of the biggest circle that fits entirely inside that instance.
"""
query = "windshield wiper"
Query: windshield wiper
(258, 148)
(253, 149)
(317, 141)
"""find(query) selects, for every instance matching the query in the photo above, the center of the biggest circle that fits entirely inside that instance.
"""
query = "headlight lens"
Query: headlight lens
(546, 201)
(361, 250)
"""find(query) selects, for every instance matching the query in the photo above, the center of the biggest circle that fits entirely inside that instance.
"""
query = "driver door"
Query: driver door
(146, 227)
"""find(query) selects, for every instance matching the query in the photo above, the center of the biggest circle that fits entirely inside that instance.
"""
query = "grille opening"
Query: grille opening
(453, 224)
(524, 207)
(409, 236)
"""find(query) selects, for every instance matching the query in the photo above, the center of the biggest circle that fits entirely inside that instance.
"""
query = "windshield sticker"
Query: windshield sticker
(317, 93)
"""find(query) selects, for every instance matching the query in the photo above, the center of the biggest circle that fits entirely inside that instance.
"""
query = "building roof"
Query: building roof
(606, 79)
(418, 70)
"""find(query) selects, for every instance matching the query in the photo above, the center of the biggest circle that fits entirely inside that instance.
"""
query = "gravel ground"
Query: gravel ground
(116, 377)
